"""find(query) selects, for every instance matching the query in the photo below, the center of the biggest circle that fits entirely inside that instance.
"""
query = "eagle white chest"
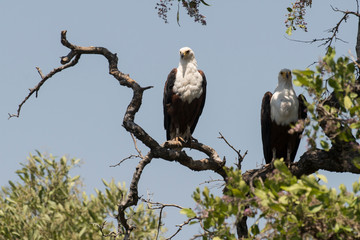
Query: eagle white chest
(188, 83)
(284, 105)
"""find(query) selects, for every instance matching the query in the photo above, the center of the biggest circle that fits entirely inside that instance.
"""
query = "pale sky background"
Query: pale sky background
(79, 111)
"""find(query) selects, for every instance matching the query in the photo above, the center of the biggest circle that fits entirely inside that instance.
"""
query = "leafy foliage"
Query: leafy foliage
(191, 7)
(296, 16)
(286, 207)
(334, 91)
(48, 204)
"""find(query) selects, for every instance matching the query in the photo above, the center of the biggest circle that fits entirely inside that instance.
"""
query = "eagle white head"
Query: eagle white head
(285, 77)
(187, 56)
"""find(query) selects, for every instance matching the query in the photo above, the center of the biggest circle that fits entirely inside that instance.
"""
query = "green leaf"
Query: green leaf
(280, 165)
(178, 15)
(324, 145)
(92, 214)
(12, 185)
(237, 193)
(289, 31)
(295, 188)
(10, 200)
(301, 80)
(347, 102)
(277, 207)
(342, 188)
(306, 72)
(289, 9)
(355, 125)
(82, 231)
(284, 200)
(353, 95)
(255, 229)
(315, 208)
(244, 188)
(260, 193)
(356, 187)
(356, 162)
(334, 84)
(188, 212)
(105, 182)
(322, 177)
(75, 178)
(206, 192)
(193, 222)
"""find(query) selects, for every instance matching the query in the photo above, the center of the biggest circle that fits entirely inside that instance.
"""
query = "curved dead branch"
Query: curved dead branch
(164, 151)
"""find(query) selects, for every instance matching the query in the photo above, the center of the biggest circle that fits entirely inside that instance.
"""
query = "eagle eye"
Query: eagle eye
(187, 51)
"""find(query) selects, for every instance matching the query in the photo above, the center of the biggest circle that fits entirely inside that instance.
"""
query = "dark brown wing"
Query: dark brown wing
(168, 92)
(201, 102)
(266, 126)
(302, 107)
(302, 115)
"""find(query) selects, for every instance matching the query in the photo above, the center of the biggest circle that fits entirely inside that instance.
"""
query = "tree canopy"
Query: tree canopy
(48, 203)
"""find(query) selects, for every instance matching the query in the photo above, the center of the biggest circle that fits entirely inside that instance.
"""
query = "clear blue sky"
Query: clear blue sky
(79, 112)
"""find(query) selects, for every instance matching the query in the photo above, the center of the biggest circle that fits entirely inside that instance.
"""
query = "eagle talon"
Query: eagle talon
(173, 143)
(180, 139)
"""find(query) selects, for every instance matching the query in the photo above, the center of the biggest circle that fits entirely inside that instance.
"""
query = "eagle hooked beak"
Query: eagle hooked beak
(183, 54)
(288, 74)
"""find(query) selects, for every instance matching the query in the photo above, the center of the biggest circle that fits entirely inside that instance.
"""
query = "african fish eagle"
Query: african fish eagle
(184, 97)
(278, 111)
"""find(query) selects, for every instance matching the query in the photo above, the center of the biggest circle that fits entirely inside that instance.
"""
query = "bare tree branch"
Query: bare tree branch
(135, 145)
(123, 160)
(132, 197)
(101, 229)
(323, 41)
(181, 226)
(44, 79)
(238, 152)
(335, 160)
(335, 29)
(161, 206)
(328, 41)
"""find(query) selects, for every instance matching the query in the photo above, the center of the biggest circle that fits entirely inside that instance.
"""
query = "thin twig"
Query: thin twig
(127, 158)
(238, 152)
(324, 40)
(135, 145)
(111, 234)
(44, 79)
(211, 181)
(181, 226)
(329, 40)
(160, 206)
